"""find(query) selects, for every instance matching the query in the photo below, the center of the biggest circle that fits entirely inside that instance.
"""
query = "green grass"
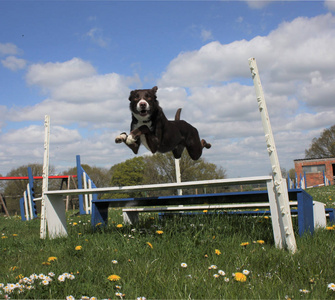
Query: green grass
(156, 272)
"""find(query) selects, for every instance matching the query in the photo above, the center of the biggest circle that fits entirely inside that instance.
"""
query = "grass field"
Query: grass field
(198, 257)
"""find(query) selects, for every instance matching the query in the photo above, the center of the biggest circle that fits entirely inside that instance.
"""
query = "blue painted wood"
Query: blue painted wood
(80, 185)
(305, 204)
(305, 213)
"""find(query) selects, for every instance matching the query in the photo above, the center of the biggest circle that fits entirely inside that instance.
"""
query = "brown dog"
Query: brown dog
(151, 127)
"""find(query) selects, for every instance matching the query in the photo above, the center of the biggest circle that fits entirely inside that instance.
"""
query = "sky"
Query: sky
(77, 61)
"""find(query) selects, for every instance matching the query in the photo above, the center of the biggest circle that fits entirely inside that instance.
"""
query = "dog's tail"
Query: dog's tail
(177, 116)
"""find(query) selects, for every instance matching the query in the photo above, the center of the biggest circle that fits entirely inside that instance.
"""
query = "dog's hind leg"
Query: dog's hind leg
(178, 151)
(204, 144)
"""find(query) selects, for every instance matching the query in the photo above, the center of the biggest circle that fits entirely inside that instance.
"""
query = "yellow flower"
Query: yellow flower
(244, 244)
(15, 234)
(78, 248)
(4, 237)
(260, 242)
(240, 277)
(74, 224)
(52, 258)
(159, 231)
(98, 224)
(114, 277)
(217, 252)
(205, 211)
(150, 245)
(46, 263)
(119, 225)
(330, 228)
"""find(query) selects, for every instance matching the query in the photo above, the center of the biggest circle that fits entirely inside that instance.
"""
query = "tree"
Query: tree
(324, 146)
(130, 172)
(14, 189)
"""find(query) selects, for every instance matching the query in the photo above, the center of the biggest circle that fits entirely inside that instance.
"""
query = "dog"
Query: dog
(150, 127)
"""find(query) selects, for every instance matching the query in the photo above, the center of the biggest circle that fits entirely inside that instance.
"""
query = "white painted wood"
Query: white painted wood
(178, 175)
(29, 203)
(151, 187)
(45, 176)
(26, 205)
(55, 216)
(279, 183)
(276, 224)
(319, 215)
(86, 195)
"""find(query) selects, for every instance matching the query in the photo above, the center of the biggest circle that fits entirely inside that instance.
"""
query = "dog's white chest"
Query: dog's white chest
(141, 122)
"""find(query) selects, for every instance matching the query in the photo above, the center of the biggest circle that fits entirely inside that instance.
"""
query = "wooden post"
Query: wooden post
(280, 186)
(45, 176)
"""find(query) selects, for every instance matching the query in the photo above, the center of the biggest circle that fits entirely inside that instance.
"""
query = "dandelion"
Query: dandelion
(260, 242)
(78, 248)
(222, 273)
(244, 244)
(330, 228)
(119, 225)
(240, 277)
(114, 262)
(150, 245)
(46, 263)
(15, 234)
(205, 211)
(183, 265)
(159, 231)
(331, 286)
(4, 237)
(114, 277)
(52, 258)
(246, 272)
(217, 252)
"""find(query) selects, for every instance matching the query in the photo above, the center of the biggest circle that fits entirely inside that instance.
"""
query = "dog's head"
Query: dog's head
(143, 102)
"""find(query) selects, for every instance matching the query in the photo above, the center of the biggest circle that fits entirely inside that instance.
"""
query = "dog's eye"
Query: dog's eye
(137, 96)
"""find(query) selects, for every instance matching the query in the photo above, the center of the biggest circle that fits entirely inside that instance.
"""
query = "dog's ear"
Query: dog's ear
(154, 89)
(131, 95)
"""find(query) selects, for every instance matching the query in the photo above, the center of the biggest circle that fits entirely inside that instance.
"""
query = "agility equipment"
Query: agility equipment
(277, 193)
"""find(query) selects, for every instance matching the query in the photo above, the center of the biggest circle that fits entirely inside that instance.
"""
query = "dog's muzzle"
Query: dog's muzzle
(143, 108)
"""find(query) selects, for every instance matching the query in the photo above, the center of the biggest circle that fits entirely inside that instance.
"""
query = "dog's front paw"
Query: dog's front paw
(130, 140)
(121, 138)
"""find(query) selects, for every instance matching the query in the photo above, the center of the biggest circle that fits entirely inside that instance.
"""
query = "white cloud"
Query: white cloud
(51, 75)
(8, 49)
(96, 36)
(13, 63)
(330, 4)
(258, 4)
(206, 35)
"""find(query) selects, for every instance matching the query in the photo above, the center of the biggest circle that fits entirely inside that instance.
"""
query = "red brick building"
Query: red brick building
(314, 168)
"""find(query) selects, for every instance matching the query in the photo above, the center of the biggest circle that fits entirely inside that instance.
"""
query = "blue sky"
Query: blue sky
(77, 61)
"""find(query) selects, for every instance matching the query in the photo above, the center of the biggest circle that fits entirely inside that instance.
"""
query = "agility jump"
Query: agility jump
(53, 211)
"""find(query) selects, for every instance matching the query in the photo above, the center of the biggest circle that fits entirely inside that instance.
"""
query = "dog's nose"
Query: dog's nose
(143, 105)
